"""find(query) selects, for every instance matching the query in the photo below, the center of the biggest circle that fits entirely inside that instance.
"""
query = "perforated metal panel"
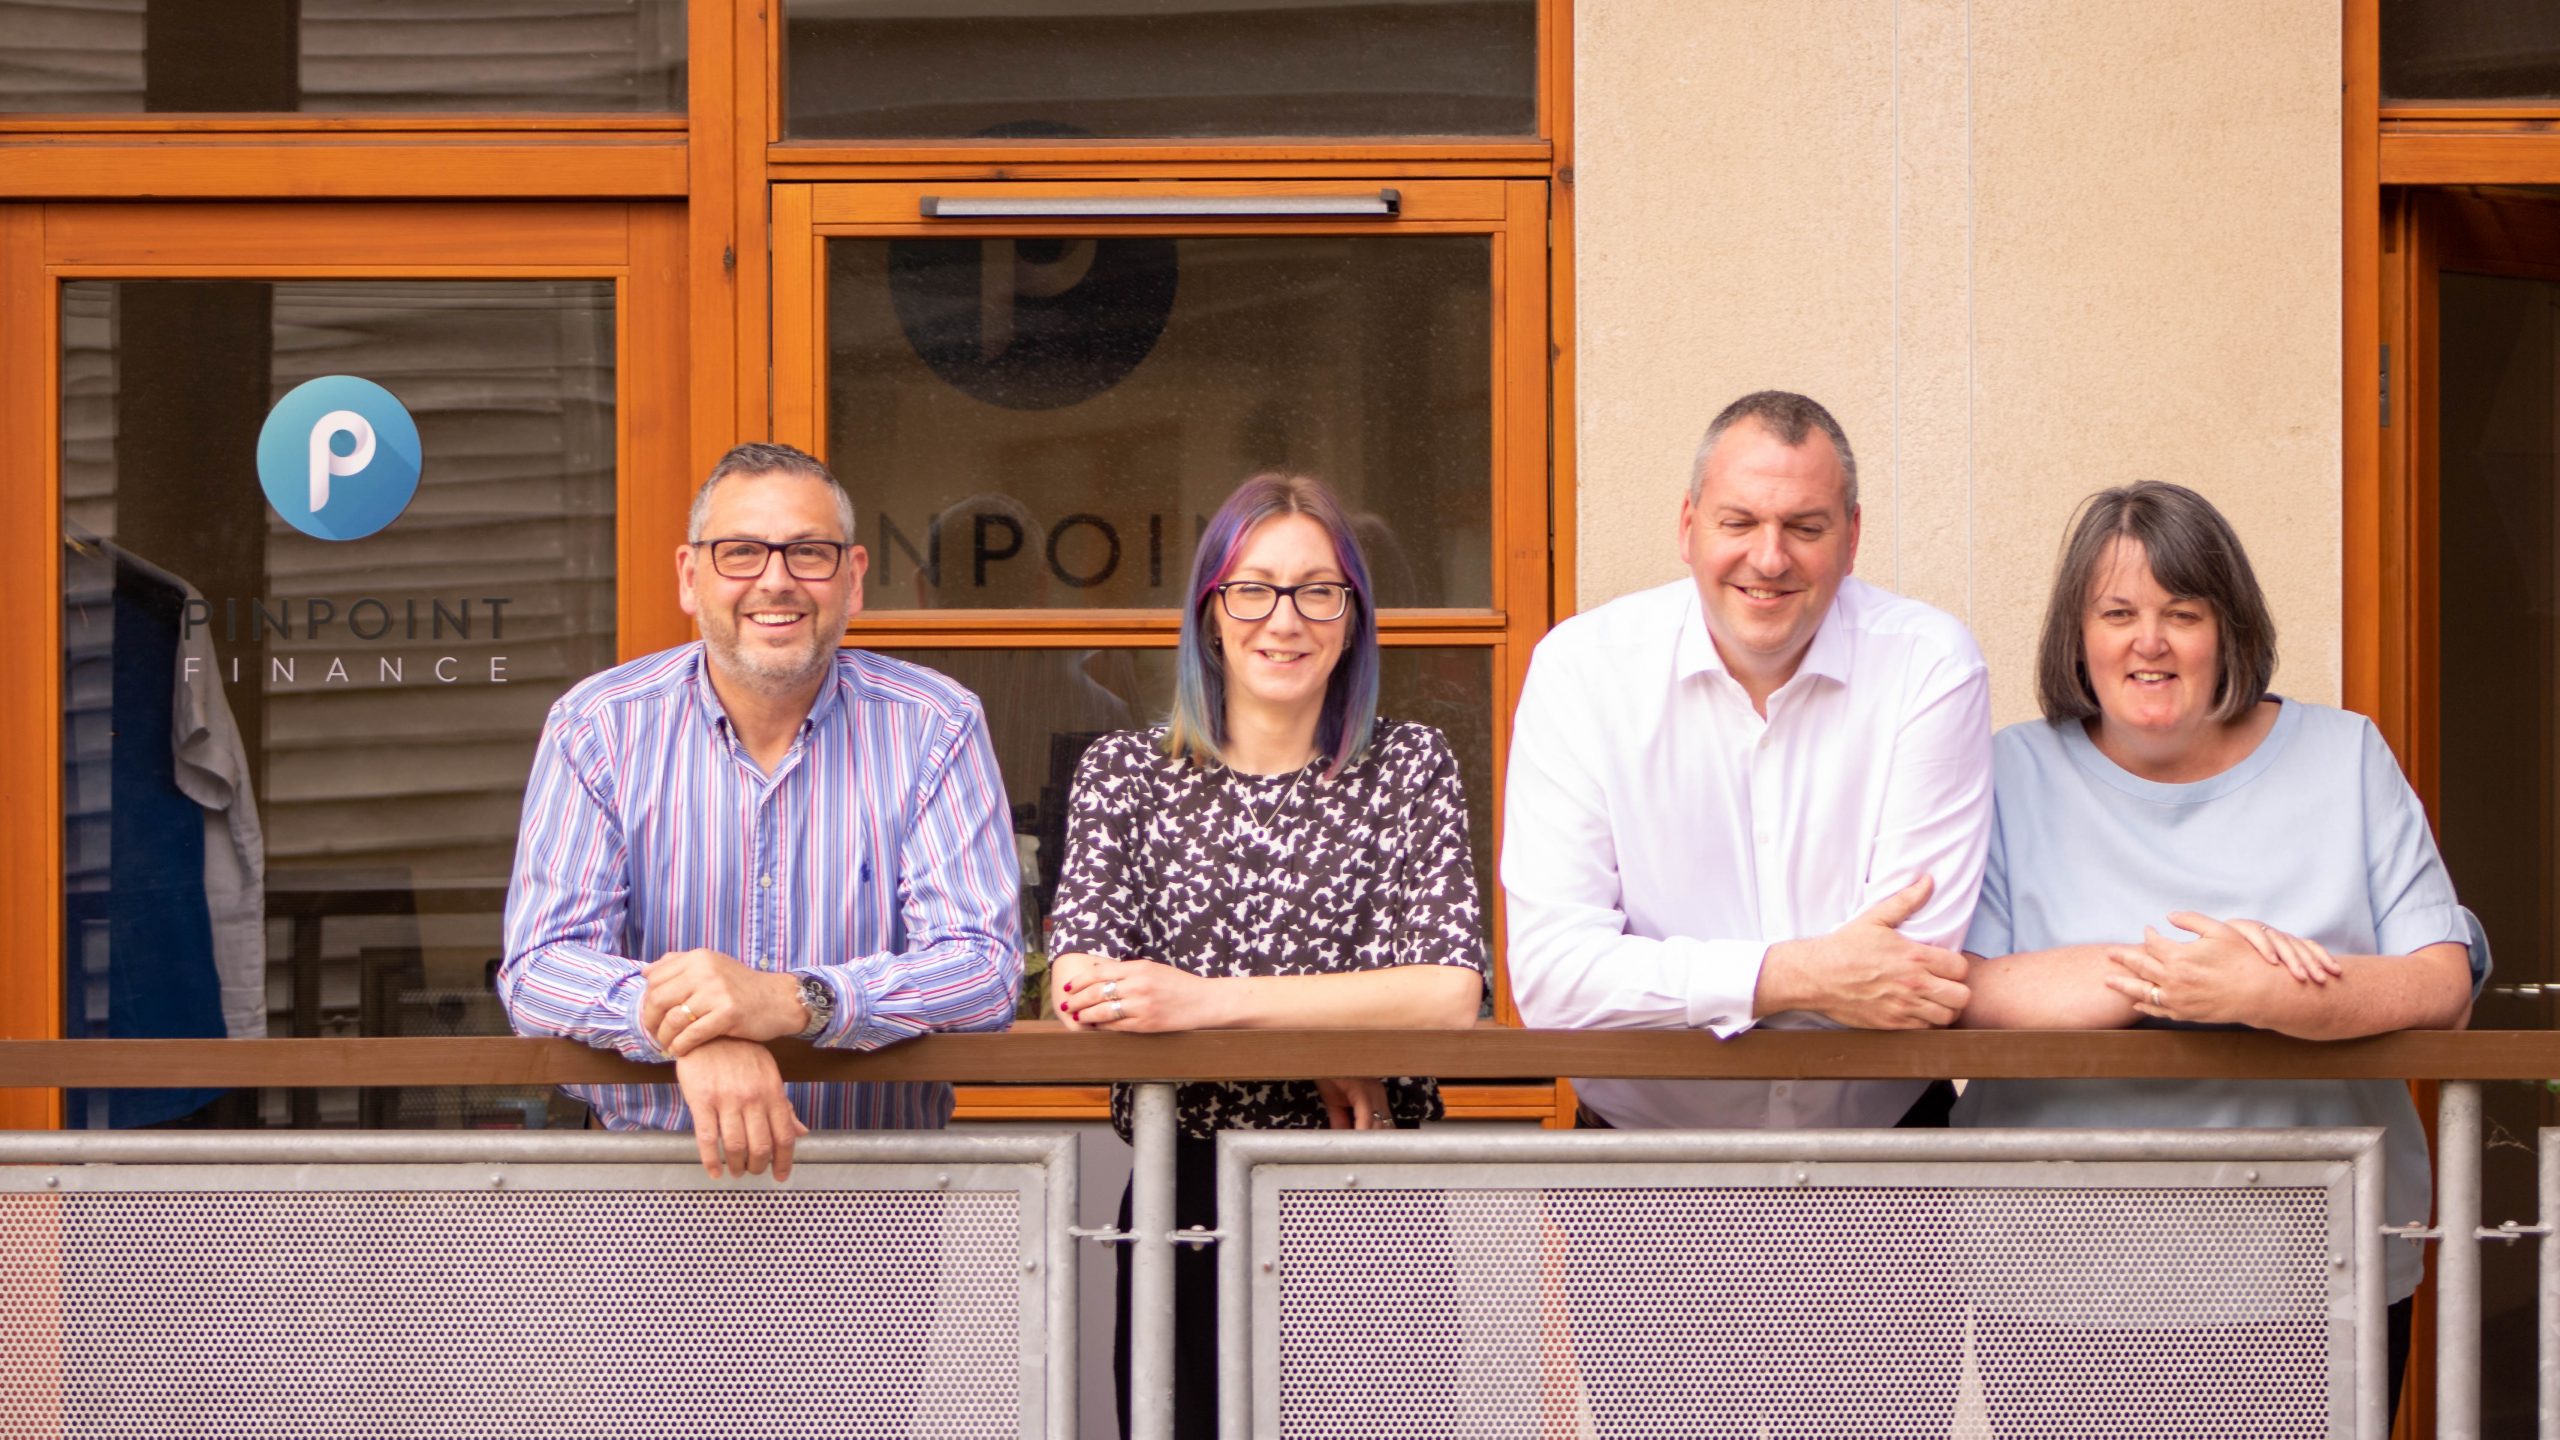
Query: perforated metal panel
(1873, 1299)
(585, 1300)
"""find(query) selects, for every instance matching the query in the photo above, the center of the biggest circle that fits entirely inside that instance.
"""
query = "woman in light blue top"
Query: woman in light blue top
(2172, 845)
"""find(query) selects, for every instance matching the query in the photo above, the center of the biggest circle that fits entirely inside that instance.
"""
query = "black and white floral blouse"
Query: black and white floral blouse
(1226, 874)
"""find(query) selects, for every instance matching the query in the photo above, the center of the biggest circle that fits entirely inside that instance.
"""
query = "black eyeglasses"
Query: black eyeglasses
(1253, 600)
(742, 559)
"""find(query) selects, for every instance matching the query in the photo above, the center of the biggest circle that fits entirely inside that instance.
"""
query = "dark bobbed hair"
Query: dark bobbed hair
(2195, 555)
(1199, 727)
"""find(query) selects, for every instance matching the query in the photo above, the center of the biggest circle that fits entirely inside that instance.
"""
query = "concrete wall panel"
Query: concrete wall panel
(1733, 204)
(2023, 248)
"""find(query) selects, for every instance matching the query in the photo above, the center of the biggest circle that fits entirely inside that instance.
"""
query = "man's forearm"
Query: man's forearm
(579, 994)
(957, 985)
(1583, 979)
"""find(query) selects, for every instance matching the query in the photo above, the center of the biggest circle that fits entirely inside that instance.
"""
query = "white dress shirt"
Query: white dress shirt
(1660, 836)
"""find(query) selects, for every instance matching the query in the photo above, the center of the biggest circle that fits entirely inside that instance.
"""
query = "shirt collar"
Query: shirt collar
(1828, 655)
(831, 699)
(706, 701)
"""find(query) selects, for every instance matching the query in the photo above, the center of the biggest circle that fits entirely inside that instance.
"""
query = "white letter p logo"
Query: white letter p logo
(326, 462)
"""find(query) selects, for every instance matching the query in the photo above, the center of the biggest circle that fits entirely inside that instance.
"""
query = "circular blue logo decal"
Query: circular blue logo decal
(339, 457)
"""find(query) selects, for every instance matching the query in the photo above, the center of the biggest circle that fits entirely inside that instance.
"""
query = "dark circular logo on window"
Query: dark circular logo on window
(1036, 324)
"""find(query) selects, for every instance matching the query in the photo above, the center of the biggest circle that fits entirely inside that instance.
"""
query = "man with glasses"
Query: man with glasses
(762, 835)
(1759, 795)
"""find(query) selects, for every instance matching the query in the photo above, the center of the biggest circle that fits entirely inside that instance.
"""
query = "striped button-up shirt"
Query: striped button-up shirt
(878, 856)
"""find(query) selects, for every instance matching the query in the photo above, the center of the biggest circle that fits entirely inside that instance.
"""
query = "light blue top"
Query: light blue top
(2315, 833)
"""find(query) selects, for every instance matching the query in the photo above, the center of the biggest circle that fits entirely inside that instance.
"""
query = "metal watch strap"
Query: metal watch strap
(822, 1006)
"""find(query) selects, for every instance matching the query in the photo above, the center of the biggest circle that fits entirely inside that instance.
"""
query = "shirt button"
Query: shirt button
(765, 882)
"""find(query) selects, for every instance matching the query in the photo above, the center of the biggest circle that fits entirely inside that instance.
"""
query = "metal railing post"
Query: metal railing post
(2373, 1326)
(1151, 1328)
(2547, 1293)
(1235, 1304)
(1060, 1296)
(2458, 1261)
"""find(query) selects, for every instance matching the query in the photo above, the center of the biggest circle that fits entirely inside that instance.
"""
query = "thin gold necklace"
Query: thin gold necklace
(1278, 803)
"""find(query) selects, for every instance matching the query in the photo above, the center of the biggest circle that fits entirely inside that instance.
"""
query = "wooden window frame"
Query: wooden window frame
(2392, 155)
(1511, 213)
(724, 159)
(43, 246)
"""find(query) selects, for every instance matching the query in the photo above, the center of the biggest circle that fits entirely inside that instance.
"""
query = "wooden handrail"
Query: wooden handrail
(1045, 1054)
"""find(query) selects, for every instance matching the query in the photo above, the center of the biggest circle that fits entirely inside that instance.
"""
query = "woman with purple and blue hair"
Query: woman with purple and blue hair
(1277, 856)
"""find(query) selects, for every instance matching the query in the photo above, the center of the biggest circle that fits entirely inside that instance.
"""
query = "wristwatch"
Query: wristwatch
(822, 1006)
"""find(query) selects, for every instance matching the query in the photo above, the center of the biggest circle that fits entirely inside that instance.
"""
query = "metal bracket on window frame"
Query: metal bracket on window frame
(1386, 204)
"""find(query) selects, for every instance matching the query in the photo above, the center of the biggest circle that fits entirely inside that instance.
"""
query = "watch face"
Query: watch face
(821, 1002)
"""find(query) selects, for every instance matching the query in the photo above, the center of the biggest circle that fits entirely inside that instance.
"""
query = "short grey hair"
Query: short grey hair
(764, 457)
(1790, 417)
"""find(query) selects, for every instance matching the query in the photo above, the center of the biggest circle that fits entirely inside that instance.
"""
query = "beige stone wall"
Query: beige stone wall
(2023, 248)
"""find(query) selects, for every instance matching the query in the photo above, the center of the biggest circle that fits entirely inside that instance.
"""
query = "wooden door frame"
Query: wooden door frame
(640, 247)
(1512, 213)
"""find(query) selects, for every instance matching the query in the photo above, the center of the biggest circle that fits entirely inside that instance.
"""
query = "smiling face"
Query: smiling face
(2153, 658)
(772, 634)
(1280, 663)
(1769, 537)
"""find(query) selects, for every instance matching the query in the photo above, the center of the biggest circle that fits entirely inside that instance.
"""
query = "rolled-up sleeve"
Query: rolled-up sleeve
(2412, 893)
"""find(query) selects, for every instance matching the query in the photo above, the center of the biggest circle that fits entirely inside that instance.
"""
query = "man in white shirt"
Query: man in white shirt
(1759, 795)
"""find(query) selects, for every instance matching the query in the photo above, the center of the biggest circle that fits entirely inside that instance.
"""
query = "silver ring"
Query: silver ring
(1119, 1011)
(1378, 1118)
(2155, 997)
(1110, 989)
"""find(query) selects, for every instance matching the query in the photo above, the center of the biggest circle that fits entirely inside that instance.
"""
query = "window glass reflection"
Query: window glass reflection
(294, 763)
(342, 56)
(1050, 423)
(1065, 69)
(2469, 50)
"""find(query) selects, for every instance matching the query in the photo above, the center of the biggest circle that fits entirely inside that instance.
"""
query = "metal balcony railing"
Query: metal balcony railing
(362, 1284)
(1962, 1283)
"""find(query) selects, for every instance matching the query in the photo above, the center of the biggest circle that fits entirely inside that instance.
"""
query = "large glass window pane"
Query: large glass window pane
(1044, 706)
(1065, 69)
(298, 714)
(342, 56)
(2469, 50)
(1048, 423)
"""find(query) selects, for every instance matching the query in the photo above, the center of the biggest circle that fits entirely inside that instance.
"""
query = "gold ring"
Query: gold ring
(687, 1009)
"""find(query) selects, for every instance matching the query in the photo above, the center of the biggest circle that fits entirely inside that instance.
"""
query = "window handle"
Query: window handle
(1384, 205)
